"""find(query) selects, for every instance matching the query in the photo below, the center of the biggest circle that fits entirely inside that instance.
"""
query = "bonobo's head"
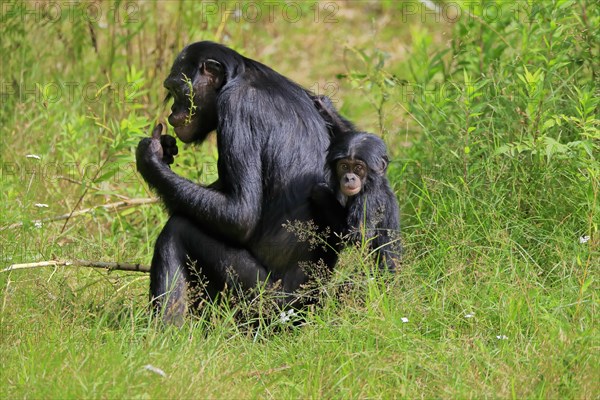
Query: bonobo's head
(197, 75)
(358, 159)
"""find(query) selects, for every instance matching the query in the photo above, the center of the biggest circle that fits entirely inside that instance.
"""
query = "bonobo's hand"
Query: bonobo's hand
(150, 149)
(156, 148)
(321, 194)
(154, 151)
(327, 210)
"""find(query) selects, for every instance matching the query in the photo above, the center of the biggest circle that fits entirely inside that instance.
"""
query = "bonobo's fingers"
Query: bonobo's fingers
(335, 122)
(323, 103)
(169, 146)
(157, 131)
(155, 146)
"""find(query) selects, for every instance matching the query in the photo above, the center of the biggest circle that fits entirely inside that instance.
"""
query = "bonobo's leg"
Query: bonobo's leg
(183, 255)
(388, 248)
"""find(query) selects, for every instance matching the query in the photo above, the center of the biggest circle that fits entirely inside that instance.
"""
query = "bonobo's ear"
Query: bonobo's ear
(213, 71)
(383, 164)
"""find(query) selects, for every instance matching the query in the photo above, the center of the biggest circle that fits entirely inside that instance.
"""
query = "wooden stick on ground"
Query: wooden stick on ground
(110, 266)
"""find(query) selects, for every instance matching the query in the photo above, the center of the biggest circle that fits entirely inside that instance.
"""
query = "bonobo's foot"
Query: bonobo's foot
(171, 312)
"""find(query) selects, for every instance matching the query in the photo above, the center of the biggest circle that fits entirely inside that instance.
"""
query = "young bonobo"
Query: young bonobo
(358, 199)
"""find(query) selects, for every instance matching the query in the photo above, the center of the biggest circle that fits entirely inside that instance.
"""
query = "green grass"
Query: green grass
(492, 124)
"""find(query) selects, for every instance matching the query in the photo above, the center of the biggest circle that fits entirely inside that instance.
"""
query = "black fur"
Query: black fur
(272, 144)
(374, 211)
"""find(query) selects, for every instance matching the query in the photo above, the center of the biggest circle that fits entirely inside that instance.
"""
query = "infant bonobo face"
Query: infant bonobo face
(351, 174)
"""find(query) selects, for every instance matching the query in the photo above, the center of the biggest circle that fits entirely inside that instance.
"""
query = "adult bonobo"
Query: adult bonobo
(272, 145)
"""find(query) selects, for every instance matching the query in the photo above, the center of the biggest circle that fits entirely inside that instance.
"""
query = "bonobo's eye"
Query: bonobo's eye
(358, 169)
(343, 166)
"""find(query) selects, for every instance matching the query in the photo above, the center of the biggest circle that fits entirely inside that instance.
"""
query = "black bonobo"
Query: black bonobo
(358, 202)
(272, 143)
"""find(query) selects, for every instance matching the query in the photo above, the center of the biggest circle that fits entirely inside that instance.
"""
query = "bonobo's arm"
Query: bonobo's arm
(232, 211)
(336, 123)
(387, 230)
(327, 209)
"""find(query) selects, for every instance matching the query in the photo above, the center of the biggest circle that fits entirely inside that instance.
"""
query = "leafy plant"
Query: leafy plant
(190, 94)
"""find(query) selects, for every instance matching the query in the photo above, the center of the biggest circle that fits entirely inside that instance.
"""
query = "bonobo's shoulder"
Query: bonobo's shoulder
(276, 95)
(243, 97)
(240, 88)
(255, 77)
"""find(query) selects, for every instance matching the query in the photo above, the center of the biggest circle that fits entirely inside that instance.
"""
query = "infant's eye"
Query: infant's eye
(358, 169)
(344, 167)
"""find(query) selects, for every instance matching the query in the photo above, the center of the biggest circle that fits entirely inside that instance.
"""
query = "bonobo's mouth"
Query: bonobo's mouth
(184, 128)
(350, 190)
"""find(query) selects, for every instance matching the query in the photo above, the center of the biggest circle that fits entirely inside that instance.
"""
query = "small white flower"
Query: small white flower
(156, 370)
(501, 337)
(33, 156)
(41, 205)
(469, 315)
(283, 317)
(404, 320)
(37, 224)
(286, 316)
(584, 239)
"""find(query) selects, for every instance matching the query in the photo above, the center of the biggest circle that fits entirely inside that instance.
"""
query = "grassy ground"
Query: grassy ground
(491, 117)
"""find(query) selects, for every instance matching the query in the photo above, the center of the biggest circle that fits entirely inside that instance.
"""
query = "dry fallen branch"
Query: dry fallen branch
(119, 205)
(109, 266)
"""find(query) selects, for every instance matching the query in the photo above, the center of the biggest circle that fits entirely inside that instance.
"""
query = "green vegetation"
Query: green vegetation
(192, 109)
(492, 119)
